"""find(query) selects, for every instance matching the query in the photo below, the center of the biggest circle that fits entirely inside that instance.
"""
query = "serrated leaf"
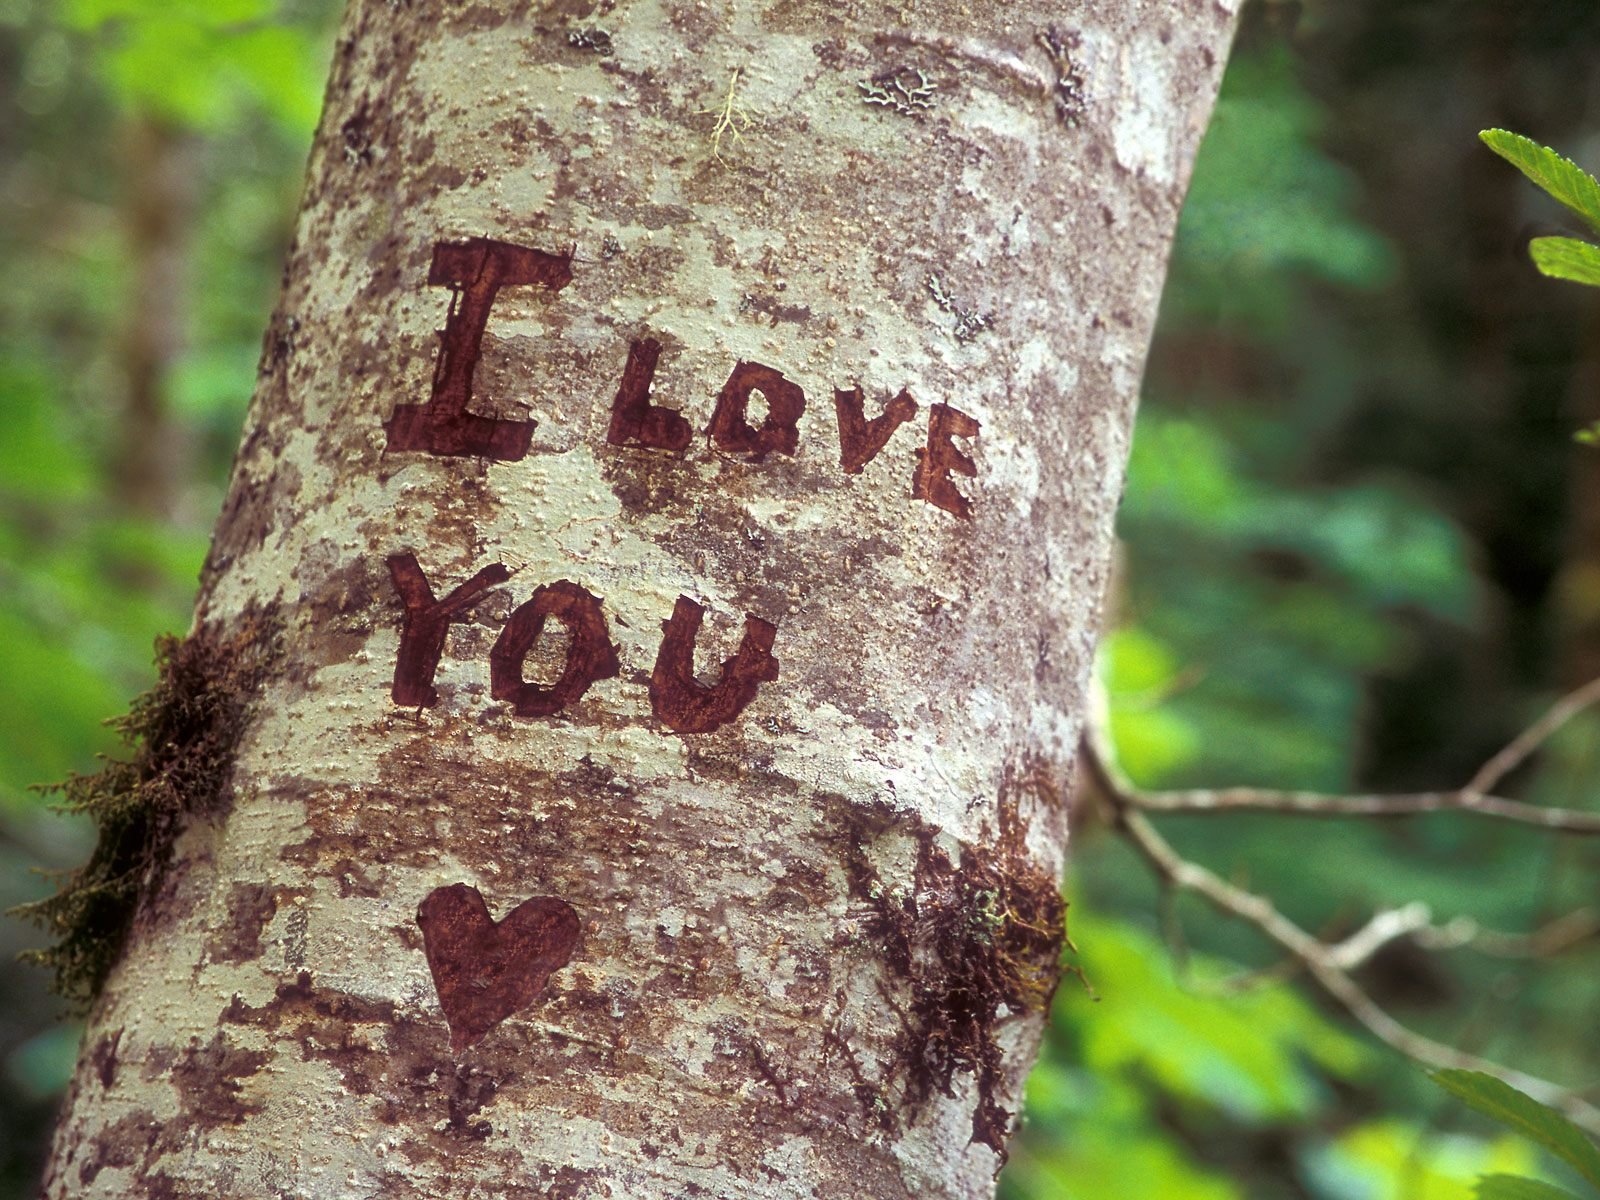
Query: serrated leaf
(1515, 1187)
(1566, 258)
(1538, 1122)
(1560, 177)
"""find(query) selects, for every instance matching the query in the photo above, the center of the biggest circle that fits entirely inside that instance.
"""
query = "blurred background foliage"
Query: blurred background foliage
(1360, 548)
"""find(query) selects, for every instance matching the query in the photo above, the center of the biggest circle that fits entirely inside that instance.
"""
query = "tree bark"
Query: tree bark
(674, 512)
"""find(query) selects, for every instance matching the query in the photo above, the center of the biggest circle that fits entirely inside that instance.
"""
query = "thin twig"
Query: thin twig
(1548, 941)
(1383, 929)
(1318, 961)
(1331, 964)
(1530, 739)
(1474, 798)
(1414, 921)
(1322, 804)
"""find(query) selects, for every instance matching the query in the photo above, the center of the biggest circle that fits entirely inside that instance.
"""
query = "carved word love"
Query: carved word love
(679, 701)
(476, 270)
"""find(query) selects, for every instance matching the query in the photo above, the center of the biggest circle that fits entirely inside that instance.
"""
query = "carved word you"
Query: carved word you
(679, 701)
(476, 270)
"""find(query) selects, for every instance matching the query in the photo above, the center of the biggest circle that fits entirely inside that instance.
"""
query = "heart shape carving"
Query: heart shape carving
(485, 970)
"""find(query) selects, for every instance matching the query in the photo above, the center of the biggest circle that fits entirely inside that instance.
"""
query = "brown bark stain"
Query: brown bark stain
(940, 457)
(103, 1057)
(210, 1078)
(860, 440)
(132, 1139)
(425, 623)
(475, 271)
(780, 429)
(399, 1065)
(617, 1025)
(486, 970)
(590, 655)
(251, 908)
(682, 703)
(633, 418)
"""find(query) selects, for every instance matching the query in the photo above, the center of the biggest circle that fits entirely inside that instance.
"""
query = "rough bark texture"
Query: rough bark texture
(772, 691)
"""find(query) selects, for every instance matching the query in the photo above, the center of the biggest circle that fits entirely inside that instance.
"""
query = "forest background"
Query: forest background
(1361, 550)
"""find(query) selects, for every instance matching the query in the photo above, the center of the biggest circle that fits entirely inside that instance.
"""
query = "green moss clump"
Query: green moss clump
(181, 736)
(976, 941)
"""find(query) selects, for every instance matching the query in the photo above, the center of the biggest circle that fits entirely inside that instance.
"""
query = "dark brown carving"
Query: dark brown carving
(475, 270)
(861, 439)
(484, 971)
(931, 481)
(780, 431)
(683, 704)
(634, 420)
(590, 655)
(426, 620)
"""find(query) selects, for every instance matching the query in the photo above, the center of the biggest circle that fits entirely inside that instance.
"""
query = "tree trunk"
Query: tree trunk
(671, 523)
(151, 460)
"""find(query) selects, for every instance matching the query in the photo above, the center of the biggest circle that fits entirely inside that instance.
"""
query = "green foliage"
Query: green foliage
(1560, 177)
(1558, 257)
(1566, 258)
(1388, 1159)
(1267, 205)
(1256, 1056)
(1216, 545)
(204, 65)
(1517, 1187)
(1090, 1138)
(1137, 1082)
(1537, 1122)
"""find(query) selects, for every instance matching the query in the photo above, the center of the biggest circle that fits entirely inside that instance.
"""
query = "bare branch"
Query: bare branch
(1530, 739)
(1474, 798)
(1555, 937)
(1413, 921)
(1322, 804)
(1318, 958)
(1328, 964)
(1385, 927)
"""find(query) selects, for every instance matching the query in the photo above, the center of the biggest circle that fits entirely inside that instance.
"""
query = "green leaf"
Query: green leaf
(1539, 1122)
(1515, 1187)
(1562, 178)
(1389, 1159)
(1567, 258)
(1249, 1055)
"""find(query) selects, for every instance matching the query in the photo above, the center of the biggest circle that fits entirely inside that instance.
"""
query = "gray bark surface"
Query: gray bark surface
(787, 934)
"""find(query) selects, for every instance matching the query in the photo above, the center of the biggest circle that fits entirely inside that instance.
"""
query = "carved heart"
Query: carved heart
(485, 971)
